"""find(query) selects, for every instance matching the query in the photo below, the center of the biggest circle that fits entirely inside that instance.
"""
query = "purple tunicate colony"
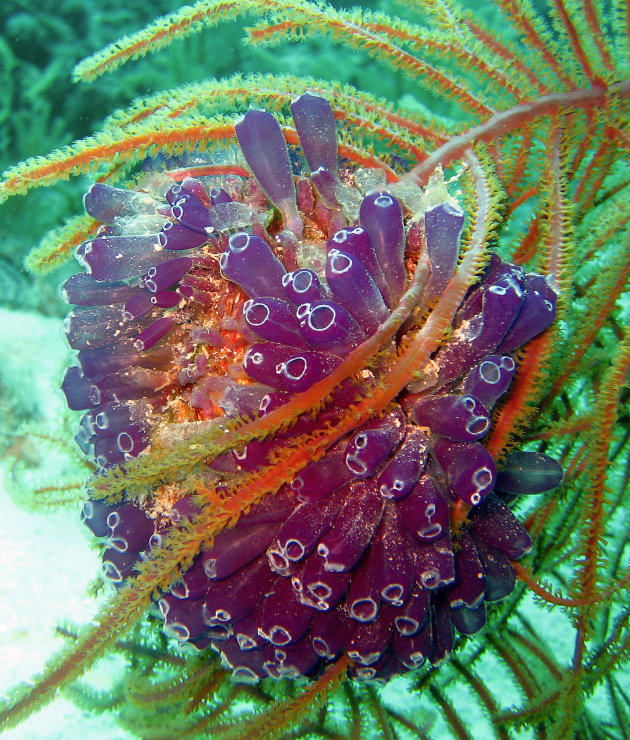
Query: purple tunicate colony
(193, 301)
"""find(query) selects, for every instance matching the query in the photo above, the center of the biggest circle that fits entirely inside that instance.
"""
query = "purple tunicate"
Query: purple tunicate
(101, 361)
(495, 524)
(499, 303)
(356, 241)
(369, 641)
(315, 124)
(363, 599)
(95, 513)
(470, 584)
(301, 371)
(78, 390)
(130, 528)
(182, 617)
(133, 440)
(106, 203)
(271, 510)
(138, 306)
(175, 192)
(434, 563)
(469, 467)
(442, 631)
(283, 367)
(318, 587)
(112, 418)
(402, 472)
(535, 282)
(265, 150)
(353, 528)
(163, 276)
(192, 584)
(443, 227)
(250, 262)
(284, 620)
(234, 548)
(256, 453)
(246, 631)
(97, 327)
(392, 565)
(326, 183)
(414, 650)
(83, 290)
(153, 333)
(184, 508)
(382, 217)
(386, 667)
(166, 299)
(424, 511)
(129, 385)
(247, 667)
(370, 446)
(219, 195)
(273, 320)
(108, 258)
(497, 273)
(354, 287)
(106, 452)
(319, 479)
(497, 569)
(301, 532)
(528, 472)
(536, 314)
(174, 236)
(232, 598)
(194, 186)
(118, 565)
(491, 378)
(460, 418)
(327, 326)
(191, 213)
(468, 620)
(302, 286)
(412, 616)
(291, 661)
(331, 632)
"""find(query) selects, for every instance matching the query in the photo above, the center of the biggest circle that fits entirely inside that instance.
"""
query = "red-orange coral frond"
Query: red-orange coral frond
(544, 593)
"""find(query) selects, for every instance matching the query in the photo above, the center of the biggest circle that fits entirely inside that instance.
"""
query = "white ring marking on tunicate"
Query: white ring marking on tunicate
(319, 310)
(286, 371)
(298, 276)
(239, 242)
(474, 427)
(383, 201)
(320, 590)
(489, 372)
(336, 258)
(303, 310)
(247, 310)
(288, 544)
(356, 465)
(256, 358)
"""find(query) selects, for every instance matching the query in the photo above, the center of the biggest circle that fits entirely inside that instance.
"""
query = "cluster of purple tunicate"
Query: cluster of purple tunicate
(357, 554)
